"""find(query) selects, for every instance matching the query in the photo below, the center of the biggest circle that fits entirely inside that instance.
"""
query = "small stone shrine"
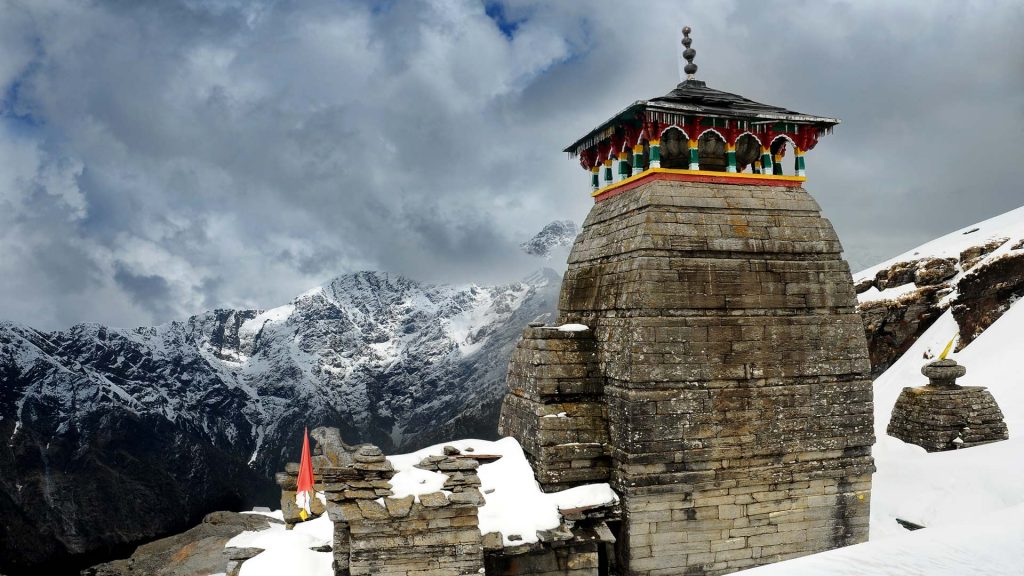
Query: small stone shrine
(945, 416)
(721, 378)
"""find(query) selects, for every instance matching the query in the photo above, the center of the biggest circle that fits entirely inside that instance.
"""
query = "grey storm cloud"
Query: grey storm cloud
(162, 158)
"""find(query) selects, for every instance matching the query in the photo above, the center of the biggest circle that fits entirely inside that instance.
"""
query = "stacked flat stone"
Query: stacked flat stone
(945, 416)
(554, 408)
(434, 534)
(735, 368)
(573, 548)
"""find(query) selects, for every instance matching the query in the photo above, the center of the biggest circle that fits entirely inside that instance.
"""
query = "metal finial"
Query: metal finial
(688, 54)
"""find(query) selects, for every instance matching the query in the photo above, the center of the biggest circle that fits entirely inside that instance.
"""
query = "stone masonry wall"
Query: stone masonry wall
(554, 407)
(739, 407)
(436, 535)
(375, 533)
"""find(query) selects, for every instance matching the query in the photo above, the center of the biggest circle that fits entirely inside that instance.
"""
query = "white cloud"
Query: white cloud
(164, 158)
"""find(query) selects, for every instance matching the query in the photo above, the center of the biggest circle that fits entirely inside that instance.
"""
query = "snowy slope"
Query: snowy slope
(1009, 226)
(944, 488)
(976, 272)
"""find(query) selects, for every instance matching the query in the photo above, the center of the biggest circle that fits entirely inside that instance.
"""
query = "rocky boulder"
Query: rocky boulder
(195, 552)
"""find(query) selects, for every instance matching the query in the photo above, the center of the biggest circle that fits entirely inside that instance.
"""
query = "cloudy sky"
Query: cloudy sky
(161, 158)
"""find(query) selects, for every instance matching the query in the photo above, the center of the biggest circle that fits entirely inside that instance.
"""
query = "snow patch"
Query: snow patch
(874, 294)
(274, 315)
(515, 504)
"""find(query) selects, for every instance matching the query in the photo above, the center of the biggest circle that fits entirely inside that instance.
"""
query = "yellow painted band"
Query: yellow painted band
(741, 175)
(799, 151)
(730, 147)
(765, 150)
(608, 162)
(693, 143)
(623, 155)
(655, 142)
(638, 149)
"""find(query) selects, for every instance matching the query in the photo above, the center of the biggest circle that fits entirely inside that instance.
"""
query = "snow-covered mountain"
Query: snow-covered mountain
(96, 421)
(557, 234)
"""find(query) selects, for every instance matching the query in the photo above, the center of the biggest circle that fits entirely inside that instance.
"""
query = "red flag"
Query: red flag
(304, 489)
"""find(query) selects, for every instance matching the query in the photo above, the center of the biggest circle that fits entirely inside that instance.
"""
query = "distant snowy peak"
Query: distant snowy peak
(556, 234)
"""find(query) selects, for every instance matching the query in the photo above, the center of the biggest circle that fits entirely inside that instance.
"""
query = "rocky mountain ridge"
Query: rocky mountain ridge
(557, 234)
(95, 421)
(977, 271)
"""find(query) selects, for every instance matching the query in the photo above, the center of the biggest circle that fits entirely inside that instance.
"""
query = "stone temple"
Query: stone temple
(708, 364)
(721, 383)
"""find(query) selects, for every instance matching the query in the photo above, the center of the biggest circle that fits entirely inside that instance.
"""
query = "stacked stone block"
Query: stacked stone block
(554, 407)
(945, 416)
(735, 374)
(577, 560)
(434, 534)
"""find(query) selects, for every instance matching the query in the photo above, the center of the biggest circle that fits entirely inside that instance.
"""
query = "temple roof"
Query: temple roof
(694, 98)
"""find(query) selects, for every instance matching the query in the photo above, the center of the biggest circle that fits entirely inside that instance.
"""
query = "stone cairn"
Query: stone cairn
(944, 415)
(554, 407)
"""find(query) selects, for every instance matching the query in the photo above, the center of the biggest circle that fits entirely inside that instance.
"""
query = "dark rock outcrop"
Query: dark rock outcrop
(982, 289)
(199, 550)
(892, 326)
(986, 293)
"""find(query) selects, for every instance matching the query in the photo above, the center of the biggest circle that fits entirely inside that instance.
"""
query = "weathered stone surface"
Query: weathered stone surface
(553, 407)
(731, 364)
(577, 560)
